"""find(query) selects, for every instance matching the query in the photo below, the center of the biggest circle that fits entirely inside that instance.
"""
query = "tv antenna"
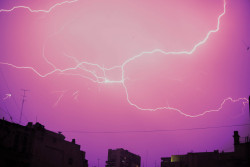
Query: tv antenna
(21, 112)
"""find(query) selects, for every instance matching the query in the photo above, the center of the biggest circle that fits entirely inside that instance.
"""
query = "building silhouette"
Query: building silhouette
(34, 146)
(239, 158)
(122, 158)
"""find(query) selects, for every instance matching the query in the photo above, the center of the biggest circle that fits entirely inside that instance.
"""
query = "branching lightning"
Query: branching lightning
(91, 68)
(39, 11)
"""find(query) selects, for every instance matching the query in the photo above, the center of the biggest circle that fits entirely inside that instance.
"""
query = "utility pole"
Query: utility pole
(21, 112)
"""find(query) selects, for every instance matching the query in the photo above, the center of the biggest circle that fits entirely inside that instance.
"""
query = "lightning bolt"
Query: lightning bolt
(7, 96)
(60, 97)
(91, 68)
(39, 11)
(75, 95)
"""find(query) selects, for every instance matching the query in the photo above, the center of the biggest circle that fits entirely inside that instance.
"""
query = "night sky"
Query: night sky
(113, 74)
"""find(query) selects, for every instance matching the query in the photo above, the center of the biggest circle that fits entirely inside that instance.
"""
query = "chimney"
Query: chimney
(236, 138)
(29, 124)
(74, 141)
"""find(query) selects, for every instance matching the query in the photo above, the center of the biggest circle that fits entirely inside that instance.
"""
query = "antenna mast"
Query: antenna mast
(21, 113)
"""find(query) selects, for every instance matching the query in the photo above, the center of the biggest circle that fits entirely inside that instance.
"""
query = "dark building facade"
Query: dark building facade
(122, 158)
(34, 146)
(239, 158)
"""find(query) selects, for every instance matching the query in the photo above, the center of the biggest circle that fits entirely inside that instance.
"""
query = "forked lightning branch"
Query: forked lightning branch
(103, 79)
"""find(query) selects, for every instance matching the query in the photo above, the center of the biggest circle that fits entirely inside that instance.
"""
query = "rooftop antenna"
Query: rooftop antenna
(1, 109)
(21, 113)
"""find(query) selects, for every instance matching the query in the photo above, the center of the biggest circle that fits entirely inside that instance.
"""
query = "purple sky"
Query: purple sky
(86, 68)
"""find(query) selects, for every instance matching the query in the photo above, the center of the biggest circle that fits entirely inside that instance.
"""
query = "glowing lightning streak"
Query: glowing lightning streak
(60, 97)
(75, 95)
(37, 11)
(7, 96)
(174, 53)
(104, 79)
